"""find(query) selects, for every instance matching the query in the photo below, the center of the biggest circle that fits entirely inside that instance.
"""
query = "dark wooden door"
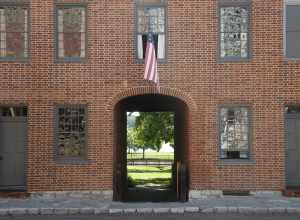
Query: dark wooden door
(120, 169)
(181, 155)
(13, 140)
(293, 150)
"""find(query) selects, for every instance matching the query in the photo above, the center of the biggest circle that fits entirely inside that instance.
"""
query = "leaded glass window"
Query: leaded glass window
(71, 131)
(234, 133)
(13, 32)
(71, 24)
(151, 18)
(234, 32)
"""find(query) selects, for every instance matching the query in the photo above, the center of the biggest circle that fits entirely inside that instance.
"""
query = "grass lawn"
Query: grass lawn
(151, 155)
(150, 176)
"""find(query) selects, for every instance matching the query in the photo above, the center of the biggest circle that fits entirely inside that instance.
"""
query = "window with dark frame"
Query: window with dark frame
(13, 32)
(234, 30)
(71, 32)
(234, 132)
(292, 109)
(71, 132)
(292, 29)
(13, 111)
(151, 17)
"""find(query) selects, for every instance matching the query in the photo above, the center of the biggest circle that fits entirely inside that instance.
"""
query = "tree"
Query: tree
(131, 139)
(153, 129)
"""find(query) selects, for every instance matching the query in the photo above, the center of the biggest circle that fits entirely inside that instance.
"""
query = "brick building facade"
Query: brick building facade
(193, 69)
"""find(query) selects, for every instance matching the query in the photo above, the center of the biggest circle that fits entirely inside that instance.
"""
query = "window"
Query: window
(293, 109)
(13, 111)
(71, 33)
(71, 132)
(13, 32)
(234, 30)
(292, 29)
(234, 132)
(151, 17)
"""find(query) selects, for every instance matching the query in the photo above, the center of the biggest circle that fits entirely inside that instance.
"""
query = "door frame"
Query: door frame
(25, 120)
(286, 117)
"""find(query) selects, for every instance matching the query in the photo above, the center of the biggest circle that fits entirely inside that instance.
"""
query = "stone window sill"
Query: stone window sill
(240, 162)
(72, 161)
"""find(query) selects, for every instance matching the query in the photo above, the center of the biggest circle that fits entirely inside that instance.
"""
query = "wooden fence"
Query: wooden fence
(149, 162)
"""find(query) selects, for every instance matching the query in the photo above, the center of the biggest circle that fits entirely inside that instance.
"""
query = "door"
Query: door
(13, 139)
(293, 150)
(120, 161)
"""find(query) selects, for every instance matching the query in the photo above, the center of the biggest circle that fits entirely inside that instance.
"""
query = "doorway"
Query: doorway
(292, 124)
(13, 142)
(150, 156)
(174, 185)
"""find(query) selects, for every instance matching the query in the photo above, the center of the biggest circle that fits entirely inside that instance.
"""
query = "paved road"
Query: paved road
(160, 217)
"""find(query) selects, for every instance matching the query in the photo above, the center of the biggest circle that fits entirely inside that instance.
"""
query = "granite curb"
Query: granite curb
(177, 210)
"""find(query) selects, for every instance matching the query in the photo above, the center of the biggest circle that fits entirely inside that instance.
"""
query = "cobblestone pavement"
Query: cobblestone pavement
(190, 216)
(94, 206)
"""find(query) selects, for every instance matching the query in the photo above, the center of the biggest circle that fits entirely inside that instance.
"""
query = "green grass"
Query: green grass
(150, 176)
(152, 155)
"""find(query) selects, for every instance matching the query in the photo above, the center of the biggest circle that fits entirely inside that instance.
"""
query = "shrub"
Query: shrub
(130, 182)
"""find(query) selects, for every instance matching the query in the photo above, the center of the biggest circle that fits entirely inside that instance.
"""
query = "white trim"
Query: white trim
(140, 46)
(161, 46)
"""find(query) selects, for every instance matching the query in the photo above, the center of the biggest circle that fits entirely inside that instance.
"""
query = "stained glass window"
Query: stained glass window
(71, 32)
(151, 18)
(71, 131)
(234, 36)
(234, 133)
(13, 32)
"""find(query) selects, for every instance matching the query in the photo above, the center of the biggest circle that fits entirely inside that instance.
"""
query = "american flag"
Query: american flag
(151, 73)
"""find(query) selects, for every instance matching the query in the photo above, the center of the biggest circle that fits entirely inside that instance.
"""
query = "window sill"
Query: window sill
(160, 61)
(11, 60)
(291, 60)
(236, 162)
(233, 60)
(63, 61)
(72, 161)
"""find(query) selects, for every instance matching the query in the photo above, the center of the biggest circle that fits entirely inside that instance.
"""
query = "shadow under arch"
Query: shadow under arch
(149, 102)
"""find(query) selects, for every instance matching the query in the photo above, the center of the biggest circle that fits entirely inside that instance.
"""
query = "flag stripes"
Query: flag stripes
(151, 73)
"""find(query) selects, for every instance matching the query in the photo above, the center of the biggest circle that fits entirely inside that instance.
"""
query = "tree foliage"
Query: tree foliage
(151, 130)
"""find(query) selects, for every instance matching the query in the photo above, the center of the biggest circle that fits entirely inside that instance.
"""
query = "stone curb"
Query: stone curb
(174, 210)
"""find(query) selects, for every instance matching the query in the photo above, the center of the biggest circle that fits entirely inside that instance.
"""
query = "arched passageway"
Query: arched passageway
(151, 103)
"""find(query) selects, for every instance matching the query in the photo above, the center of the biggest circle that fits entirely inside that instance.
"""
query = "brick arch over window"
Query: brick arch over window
(187, 99)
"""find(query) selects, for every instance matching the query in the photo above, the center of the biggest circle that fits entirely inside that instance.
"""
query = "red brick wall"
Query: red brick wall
(266, 83)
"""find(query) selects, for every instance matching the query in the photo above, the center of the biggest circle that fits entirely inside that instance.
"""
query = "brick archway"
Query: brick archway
(176, 93)
(148, 99)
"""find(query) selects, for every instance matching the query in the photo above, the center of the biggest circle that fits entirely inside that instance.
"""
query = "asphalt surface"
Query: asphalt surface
(194, 216)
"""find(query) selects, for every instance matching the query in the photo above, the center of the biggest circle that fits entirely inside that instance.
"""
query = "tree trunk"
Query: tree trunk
(143, 153)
